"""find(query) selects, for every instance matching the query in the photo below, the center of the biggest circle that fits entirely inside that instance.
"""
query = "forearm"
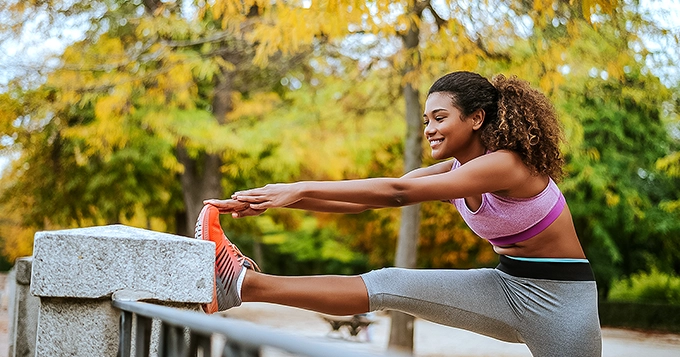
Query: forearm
(435, 183)
(374, 192)
(310, 204)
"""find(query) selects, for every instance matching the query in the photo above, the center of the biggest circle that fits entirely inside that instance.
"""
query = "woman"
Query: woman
(503, 141)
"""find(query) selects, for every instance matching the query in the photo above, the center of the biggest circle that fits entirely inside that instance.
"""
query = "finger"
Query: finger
(227, 205)
(226, 211)
(261, 206)
(245, 193)
(251, 199)
(215, 202)
(245, 213)
(252, 191)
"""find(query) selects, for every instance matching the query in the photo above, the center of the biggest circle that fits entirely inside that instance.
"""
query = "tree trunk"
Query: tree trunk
(201, 177)
(200, 180)
(401, 331)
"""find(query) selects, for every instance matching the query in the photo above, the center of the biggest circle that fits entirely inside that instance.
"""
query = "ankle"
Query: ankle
(248, 284)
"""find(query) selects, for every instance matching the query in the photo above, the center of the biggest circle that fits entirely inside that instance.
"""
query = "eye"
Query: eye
(439, 118)
(425, 122)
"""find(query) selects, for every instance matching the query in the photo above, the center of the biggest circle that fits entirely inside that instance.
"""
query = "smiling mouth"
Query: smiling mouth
(436, 142)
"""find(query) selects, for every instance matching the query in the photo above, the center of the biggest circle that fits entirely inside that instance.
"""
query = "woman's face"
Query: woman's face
(448, 133)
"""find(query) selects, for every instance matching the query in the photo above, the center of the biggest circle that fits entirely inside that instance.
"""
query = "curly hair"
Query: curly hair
(517, 117)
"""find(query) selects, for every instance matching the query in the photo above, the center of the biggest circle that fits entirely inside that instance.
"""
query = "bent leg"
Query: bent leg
(328, 294)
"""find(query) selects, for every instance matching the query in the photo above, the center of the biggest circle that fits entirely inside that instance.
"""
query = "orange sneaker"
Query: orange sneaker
(230, 263)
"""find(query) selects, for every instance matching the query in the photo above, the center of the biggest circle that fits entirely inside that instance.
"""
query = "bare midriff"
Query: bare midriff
(559, 240)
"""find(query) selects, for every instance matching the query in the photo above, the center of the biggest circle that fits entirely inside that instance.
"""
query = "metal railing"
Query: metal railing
(186, 333)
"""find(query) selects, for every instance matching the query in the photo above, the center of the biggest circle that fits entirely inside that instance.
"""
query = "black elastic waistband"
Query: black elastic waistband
(564, 271)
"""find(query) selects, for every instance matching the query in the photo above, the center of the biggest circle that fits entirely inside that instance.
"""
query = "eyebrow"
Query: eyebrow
(435, 111)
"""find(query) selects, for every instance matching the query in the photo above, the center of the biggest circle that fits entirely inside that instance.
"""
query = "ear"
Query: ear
(477, 118)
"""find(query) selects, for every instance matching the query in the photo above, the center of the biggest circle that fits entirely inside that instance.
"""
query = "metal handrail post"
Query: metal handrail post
(244, 336)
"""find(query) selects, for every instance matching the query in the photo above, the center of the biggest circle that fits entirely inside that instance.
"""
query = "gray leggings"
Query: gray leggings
(553, 317)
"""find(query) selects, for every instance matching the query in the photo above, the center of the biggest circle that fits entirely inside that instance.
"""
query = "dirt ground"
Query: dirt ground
(431, 340)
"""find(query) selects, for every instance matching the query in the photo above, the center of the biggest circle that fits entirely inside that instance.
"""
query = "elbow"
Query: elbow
(398, 200)
(398, 196)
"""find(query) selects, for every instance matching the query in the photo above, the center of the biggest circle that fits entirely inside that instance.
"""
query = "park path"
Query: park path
(431, 340)
(434, 340)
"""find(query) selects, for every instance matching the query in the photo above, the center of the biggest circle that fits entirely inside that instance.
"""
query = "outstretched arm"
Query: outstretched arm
(317, 205)
(240, 209)
(498, 171)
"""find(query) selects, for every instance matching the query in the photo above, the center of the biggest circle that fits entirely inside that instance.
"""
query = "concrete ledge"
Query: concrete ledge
(77, 327)
(95, 262)
(76, 271)
(25, 312)
(23, 268)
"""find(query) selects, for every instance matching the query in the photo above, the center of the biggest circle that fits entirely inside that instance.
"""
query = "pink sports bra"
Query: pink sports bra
(506, 220)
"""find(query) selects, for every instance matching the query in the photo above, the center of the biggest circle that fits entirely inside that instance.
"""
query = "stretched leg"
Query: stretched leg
(236, 279)
(329, 294)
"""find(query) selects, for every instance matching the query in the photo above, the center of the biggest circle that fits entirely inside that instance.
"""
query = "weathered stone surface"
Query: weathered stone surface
(23, 270)
(9, 300)
(25, 313)
(77, 327)
(75, 272)
(95, 262)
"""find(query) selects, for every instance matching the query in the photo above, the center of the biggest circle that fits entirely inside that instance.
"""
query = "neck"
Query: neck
(476, 150)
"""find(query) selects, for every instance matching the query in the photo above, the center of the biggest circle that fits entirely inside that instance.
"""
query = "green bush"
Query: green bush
(650, 317)
(652, 287)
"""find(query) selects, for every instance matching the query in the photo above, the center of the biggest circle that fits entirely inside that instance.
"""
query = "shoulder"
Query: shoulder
(506, 158)
(519, 178)
(502, 165)
(501, 160)
(497, 172)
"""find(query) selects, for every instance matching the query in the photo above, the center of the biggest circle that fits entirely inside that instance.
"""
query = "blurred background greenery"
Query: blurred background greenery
(144, 108)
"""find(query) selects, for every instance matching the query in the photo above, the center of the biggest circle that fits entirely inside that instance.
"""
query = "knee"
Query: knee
(383, 279)
(380, 283)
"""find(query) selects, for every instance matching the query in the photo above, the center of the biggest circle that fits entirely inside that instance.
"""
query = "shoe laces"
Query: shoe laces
(243, 260)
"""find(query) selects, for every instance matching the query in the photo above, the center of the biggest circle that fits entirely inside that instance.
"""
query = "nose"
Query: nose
(429, 129)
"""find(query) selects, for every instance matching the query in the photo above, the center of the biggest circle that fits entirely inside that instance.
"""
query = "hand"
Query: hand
(269, 196)
(227, 206)
(236, 208)
(247, 212)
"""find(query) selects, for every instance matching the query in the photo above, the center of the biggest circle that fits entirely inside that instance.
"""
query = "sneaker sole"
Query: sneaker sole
(226, 267)
(202, 227)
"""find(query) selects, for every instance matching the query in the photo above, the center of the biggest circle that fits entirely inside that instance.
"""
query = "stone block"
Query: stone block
(25, 312)
(75, 273)
(95, 262)
(8, 302)
(77, 327)
(23, 268)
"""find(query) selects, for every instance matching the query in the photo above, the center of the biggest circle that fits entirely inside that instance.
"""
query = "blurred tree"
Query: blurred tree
(616, 190)
(146, 71)
(670, 164)
(56, 183)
